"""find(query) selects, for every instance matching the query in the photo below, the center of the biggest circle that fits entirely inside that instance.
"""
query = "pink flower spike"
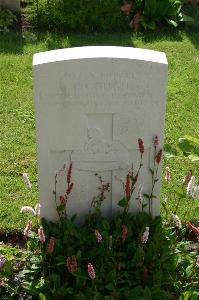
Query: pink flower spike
(2, 261)
(126, 8)
(145, 236)
(62, 200)
(190, 186)
(51, 245)
(28, 209)
(158, 156)
(41, 234)
(187, 178)
(69, 189)
(27, 229)
(156, 141)
(91, 271)
(98, 236)
(141, 145)
(124, 232)
(177, 220)
(69, 173)
(37, 209)
(68, 264)
(168, 175)
(26, 180)
(128, 187)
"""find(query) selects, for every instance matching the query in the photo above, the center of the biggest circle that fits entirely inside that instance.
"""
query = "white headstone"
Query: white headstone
(92, 105)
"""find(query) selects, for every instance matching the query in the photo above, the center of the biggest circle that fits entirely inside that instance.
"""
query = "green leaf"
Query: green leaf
(122, 202)
(186, 18)
(42, 296)
(172, 22)
(189, 145)
(146, 196)
(105, 225)
(169, 152)
(150, 8)
(151, 171)
(193, 157)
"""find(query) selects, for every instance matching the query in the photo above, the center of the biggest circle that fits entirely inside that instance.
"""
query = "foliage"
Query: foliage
(14, 261)
(79, 15)
(150, 13)
(129, 256)
(190, 147)
(7, 18)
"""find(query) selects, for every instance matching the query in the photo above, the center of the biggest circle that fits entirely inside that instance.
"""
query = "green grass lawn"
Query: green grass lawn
(17, 121)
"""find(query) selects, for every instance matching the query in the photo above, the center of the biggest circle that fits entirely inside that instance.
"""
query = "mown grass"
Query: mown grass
(17, 121)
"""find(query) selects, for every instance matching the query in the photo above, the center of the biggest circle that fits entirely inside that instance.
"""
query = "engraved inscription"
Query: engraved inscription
(91, 87)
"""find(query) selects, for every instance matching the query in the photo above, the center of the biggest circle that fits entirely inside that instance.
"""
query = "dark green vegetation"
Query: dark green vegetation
(131, 257)
(105, 16)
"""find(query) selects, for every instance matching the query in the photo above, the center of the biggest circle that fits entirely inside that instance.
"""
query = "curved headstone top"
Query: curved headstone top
(99, 52)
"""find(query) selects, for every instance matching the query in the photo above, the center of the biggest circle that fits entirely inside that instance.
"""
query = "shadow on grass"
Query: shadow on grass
(11, 42)
(166, 34)
(192, 29)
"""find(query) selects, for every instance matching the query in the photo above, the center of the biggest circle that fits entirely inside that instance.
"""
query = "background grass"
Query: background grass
(17, 121)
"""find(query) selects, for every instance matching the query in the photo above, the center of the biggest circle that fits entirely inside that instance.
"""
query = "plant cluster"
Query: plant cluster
(7, 18)
(105, 15)
(150, 13)
(77, 16)
(130, 257)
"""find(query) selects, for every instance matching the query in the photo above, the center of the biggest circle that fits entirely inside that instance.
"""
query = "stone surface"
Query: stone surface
(92, 104)
(10, 4)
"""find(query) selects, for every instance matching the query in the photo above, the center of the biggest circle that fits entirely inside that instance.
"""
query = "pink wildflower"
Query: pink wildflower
(128, 187)
(71, 264)
(193, 228)
(41, 234)
(145, 236)
(51, 245)
(141, 145)
(156, 141)
(98, 236)
(37, 209)
(29, 209)
(69, 173)
(62, 200)
(190, 186)
(68, 264)
(124, 232)
(27, 229)
(177, 220)
(187, 178)
(69, 189)
(91, 271)
(2, 261)
(26, 180)
(195, 191)
(134, 24)
(126, 8)
(168, 175)
(158, 156)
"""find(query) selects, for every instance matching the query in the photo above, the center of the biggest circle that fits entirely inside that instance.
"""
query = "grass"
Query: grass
(17, 121)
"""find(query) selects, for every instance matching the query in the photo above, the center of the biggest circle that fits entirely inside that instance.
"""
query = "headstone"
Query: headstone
(10, 4)
(92, 104)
